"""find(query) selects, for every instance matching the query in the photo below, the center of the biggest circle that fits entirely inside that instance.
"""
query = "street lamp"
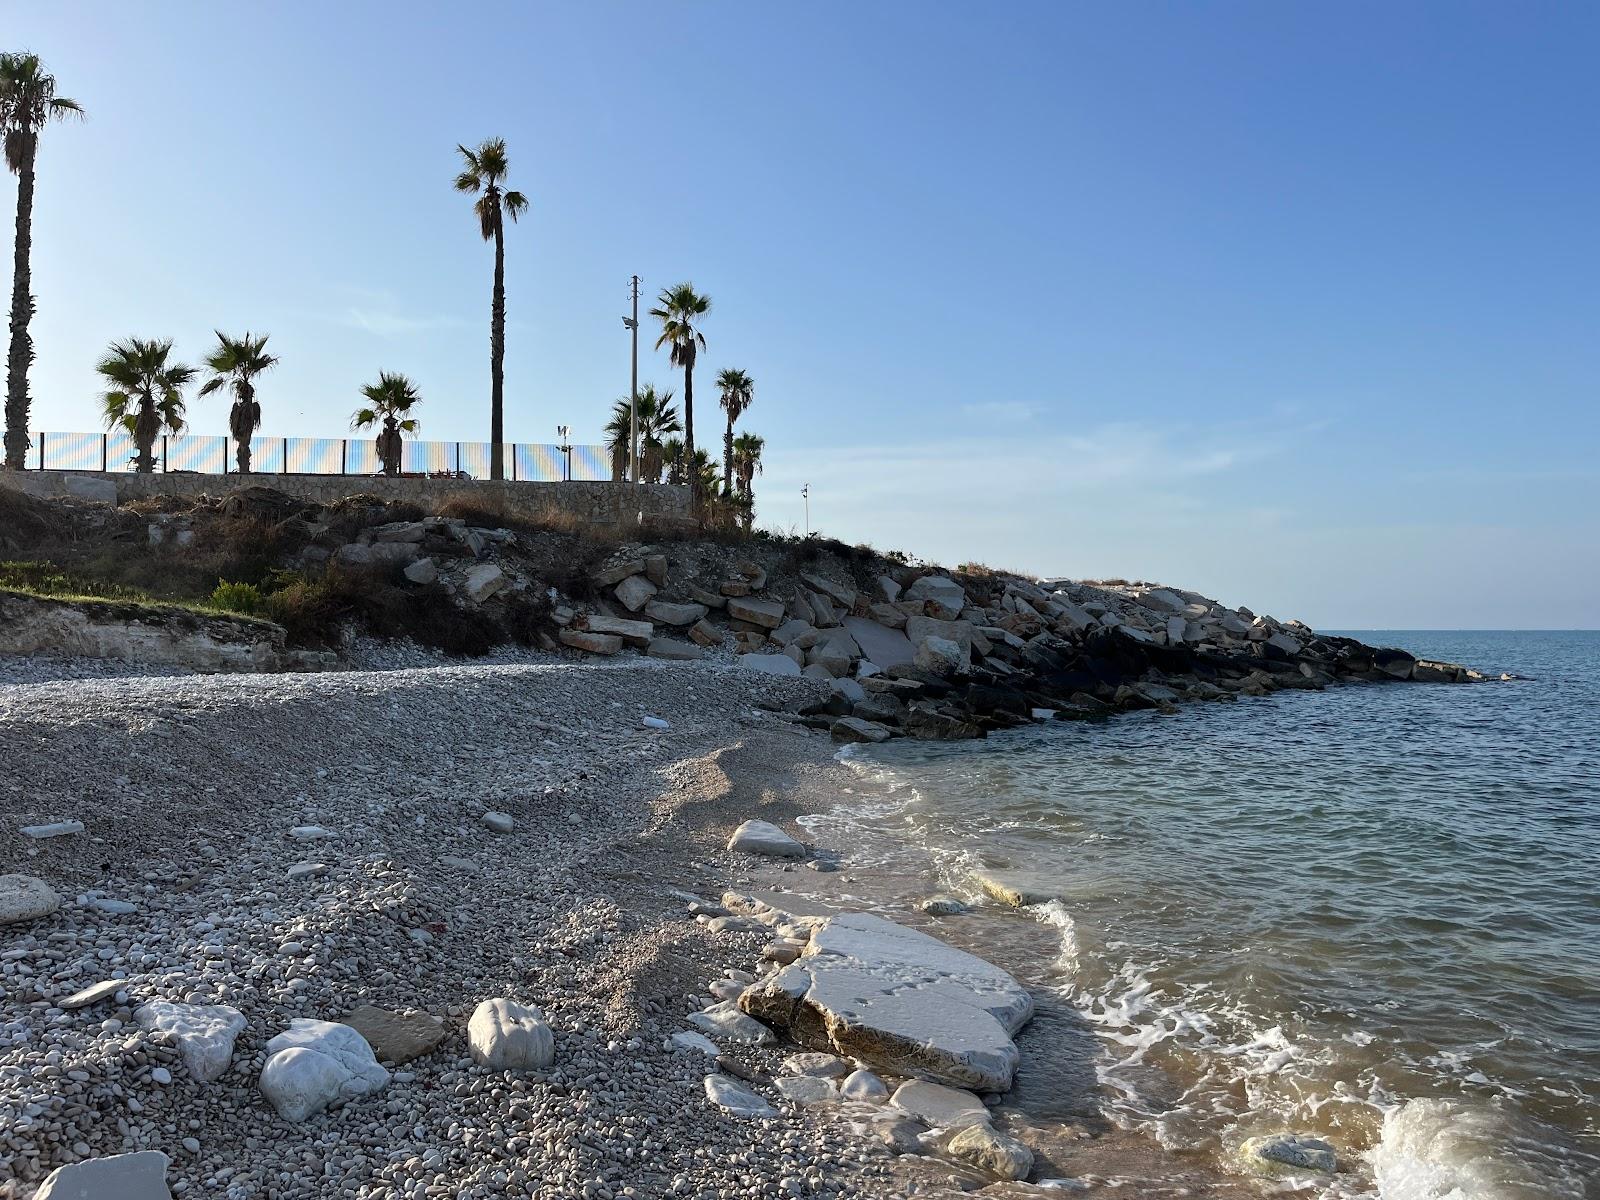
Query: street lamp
(632, 325)
(564, 433)
(805, 494)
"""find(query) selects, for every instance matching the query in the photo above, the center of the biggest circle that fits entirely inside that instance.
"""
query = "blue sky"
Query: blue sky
(1293, 304)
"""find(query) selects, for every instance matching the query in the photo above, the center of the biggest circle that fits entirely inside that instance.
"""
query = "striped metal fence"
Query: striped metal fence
(211, 454)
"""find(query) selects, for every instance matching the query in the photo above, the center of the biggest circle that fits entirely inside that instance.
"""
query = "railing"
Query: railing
(210, 454)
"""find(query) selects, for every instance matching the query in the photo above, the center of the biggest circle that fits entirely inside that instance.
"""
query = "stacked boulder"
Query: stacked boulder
(928, 654)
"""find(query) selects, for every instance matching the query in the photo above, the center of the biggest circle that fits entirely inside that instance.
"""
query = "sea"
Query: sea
(1369, 914)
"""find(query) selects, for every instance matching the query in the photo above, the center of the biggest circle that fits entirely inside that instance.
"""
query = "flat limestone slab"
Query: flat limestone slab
(906, 1002)
(138, 1176)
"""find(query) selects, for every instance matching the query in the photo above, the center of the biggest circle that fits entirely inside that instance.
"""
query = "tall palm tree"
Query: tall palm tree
(28, 101)
(738, 393)
(234, 364)
(389, 400)
(747, 448)
(484, 176)
(657, 418)
(677, 308)
(144, 393)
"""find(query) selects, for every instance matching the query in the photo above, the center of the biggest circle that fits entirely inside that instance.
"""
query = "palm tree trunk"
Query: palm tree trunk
(727, 457)
(244, 456)
(688, 417)
(21, 313)
(497, 358)
(145, 428)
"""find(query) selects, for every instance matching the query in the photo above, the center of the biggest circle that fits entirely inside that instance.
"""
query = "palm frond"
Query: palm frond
(516, 204)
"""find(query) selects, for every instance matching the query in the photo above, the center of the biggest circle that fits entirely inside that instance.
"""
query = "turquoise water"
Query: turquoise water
(1372, 913)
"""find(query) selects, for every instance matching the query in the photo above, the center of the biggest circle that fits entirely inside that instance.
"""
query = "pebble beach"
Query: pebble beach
(301, 846)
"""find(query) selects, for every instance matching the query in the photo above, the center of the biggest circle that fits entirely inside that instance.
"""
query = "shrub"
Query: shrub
(243, 598)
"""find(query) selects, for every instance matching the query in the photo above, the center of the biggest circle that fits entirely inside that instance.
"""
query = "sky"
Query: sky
(1296, 305)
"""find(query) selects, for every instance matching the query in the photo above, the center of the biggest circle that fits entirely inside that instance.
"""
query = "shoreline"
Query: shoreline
(580, 910)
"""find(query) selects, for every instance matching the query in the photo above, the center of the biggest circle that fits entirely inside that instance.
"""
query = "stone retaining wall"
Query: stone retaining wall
(608, 505)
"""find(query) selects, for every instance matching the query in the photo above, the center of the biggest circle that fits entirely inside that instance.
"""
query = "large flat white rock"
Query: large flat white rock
(906, 1002)
(138, 1176)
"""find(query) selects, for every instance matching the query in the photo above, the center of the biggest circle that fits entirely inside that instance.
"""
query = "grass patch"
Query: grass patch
(46, 581)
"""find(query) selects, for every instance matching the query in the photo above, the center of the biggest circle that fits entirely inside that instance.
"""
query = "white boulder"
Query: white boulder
(138, 1176)
(25, 898)
(506, 1036)
(735, 1098)
(941, 656)
(873, 990)
(726, 1021)
(688, 1041)
(203, 1033)
(1284, 1153)
(989, 1150)
(809, 1089)
(864, 1087)
(315, 1064)
(940, 1106)
(763, 837)
(483, 581)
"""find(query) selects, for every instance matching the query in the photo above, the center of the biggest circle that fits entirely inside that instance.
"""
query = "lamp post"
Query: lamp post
(632, 325)
(805, 494)
(564, 444)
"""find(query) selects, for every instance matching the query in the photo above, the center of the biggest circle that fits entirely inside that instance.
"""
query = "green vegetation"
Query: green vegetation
(678, 308)
(657, 418)
(234, 364)
(47, 581)
(392, 397)
(483, 176)
(738, 393)
(145, 393)
(243, 598)
(28, 102)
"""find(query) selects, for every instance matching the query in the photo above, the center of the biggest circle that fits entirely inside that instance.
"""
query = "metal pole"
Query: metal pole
(163, 454)
(805, 494)
(105, 451)
(344, 450)
(633, 392)
(458, 460)
(285, 456)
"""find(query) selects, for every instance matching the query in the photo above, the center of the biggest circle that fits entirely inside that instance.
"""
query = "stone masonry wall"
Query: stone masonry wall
(601, 505)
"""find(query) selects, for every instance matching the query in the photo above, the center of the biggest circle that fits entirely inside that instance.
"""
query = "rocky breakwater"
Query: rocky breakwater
(927, 654)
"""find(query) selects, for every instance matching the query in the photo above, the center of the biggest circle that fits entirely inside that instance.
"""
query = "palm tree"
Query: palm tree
(485, 172)
(234, 364)
(391, 399)
(747, 449)
(657, 418)
(27, 101)
(738, 393)
(145, 394)
(671, 453)
(677, 308)
(701, 471)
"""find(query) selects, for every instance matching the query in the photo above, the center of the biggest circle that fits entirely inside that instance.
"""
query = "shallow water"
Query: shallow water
(1371, 913)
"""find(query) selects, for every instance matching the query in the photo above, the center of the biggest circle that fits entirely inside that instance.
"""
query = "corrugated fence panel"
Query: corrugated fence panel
(196, 452)
(316, 456)
(73, 451)
(266, 455)
(591, 463)
(213, 454)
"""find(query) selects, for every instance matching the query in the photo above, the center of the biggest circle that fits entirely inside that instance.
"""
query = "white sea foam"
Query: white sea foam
(1443, 1150)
